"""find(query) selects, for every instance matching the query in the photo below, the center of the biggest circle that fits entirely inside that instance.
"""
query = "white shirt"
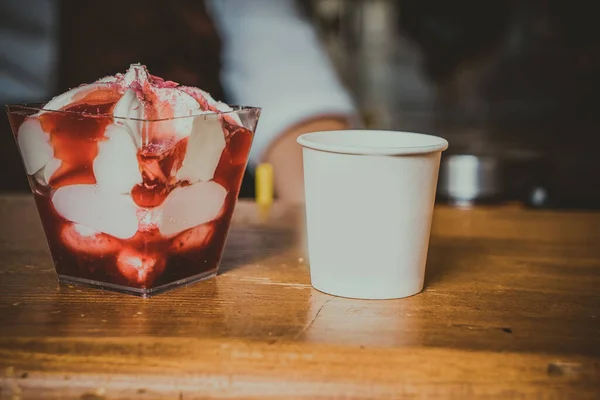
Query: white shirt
(272, 58)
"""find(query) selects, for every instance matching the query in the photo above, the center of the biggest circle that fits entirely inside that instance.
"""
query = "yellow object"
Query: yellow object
(264, 187)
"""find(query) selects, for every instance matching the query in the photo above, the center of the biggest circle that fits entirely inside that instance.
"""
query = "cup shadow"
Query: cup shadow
(252, 239)
(250, 244)
(447, 258)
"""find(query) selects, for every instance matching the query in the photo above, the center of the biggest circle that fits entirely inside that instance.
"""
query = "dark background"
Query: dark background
(497, 76)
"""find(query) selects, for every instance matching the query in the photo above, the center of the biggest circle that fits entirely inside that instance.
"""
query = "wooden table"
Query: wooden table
(511, 309)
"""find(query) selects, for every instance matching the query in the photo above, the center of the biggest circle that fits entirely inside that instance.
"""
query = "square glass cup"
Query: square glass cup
(130, 205)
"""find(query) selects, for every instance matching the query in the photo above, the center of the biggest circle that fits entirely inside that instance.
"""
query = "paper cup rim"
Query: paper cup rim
(372, 142)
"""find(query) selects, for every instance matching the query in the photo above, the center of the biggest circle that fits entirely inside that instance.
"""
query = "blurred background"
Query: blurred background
(512, 85)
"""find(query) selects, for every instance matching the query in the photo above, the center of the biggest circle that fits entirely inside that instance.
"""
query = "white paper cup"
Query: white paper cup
(369, 203)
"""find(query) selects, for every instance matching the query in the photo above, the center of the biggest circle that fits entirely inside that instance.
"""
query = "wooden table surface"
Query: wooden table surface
(511, 309)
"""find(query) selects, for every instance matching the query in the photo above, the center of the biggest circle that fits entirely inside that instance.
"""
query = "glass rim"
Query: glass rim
(38, 107)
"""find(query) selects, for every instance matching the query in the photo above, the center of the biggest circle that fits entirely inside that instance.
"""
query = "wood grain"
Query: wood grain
(511, 309)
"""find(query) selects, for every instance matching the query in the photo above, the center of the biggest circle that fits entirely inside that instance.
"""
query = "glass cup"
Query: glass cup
(369, 205)
(128, 205)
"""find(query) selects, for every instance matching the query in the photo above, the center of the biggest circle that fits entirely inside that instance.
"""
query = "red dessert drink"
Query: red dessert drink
(135, 179)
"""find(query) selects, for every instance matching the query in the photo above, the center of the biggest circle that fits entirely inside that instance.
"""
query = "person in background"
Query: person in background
(261, 52)
(273, 58)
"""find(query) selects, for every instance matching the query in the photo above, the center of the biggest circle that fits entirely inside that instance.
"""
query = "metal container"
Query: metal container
(468, 179)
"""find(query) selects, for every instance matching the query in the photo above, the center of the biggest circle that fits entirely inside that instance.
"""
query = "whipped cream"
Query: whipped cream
(118, 215)
(146, 109)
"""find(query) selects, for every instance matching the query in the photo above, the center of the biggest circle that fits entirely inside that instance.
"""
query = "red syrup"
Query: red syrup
(148, 259)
